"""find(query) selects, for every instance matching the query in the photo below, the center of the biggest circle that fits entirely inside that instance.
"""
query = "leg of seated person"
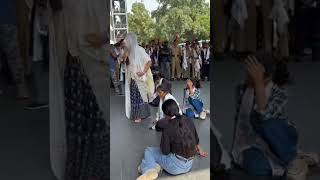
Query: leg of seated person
(189, 113)
(197, 104)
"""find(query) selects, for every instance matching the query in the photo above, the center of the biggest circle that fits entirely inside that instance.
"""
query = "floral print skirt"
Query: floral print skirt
(139, 109)
(86, 130)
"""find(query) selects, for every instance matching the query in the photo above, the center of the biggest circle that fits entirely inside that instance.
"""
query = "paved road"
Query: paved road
(303, 107)
(24, 135)
(128, 140)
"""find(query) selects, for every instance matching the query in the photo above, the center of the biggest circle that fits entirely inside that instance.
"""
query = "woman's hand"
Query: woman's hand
(255, 69)
(140, 74)
(97, 40)
(203, 154)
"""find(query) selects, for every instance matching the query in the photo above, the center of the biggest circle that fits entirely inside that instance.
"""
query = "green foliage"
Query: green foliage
(141, 23)
(189, 18)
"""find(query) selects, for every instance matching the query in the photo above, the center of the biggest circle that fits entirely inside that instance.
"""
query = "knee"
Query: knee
(189, 113)
(149, 149)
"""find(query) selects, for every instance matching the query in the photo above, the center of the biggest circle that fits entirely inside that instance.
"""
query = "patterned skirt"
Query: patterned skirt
(139, 109)
(86, 130)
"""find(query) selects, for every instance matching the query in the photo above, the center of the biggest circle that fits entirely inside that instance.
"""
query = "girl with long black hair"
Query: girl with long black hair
(179, 145)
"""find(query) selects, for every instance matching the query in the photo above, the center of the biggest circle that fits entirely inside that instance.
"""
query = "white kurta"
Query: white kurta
(145, 84)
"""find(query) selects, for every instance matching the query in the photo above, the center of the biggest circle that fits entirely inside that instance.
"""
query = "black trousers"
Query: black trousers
(205, 71)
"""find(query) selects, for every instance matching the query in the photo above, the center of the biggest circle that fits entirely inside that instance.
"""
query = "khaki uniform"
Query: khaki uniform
(175, 62)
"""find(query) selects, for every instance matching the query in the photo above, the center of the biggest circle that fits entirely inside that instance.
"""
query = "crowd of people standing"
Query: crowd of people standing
(285, 28)
(175, 61)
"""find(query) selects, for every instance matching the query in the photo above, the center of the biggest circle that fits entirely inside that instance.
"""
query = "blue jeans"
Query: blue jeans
(170, 163)
(197, 106)
(255, 163)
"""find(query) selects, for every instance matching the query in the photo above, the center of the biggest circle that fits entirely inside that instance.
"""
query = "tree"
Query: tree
(141, 23)
(190, 18)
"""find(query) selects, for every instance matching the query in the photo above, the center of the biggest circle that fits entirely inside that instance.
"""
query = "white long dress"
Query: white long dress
(138, 58)
(67, 30)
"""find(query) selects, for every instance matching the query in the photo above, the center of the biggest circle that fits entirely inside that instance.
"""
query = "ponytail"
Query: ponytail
(171, 108)
(197, 84)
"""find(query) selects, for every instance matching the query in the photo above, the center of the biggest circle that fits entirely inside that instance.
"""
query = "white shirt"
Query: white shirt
(160, 113)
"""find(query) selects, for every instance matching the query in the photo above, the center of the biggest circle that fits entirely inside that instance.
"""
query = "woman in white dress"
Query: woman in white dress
(79, 126)
(139, 86)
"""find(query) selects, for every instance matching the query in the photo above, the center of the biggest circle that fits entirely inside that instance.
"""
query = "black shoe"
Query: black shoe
(36, 106)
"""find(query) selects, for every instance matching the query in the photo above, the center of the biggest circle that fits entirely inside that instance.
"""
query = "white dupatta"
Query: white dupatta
(138, 58)
(185, 60)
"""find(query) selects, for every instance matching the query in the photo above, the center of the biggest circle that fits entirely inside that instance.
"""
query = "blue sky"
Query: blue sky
(150, 4)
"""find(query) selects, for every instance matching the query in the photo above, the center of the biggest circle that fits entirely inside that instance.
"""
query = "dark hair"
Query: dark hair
(157, 76)
(171, 108)
(281, 75)
(275, 68)
(163, 88)
(119, 43)
(196, 83)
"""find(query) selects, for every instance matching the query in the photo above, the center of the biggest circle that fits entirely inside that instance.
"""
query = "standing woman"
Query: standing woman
(79, 122)
(139, 86)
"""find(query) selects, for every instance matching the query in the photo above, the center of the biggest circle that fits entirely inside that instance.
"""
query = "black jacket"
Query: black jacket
(164, 54)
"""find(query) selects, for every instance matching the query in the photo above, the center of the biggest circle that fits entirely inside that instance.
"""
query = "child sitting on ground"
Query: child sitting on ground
(193, 105)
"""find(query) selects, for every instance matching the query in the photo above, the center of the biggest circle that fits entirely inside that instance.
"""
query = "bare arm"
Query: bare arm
(261, 96)
(147, 66)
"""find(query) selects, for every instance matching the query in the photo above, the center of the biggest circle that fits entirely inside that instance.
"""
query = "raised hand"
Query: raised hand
(255, 69)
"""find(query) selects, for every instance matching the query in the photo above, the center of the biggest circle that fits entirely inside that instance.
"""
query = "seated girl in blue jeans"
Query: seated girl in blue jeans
(265, 141)
(193, 105)
(179, 145)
